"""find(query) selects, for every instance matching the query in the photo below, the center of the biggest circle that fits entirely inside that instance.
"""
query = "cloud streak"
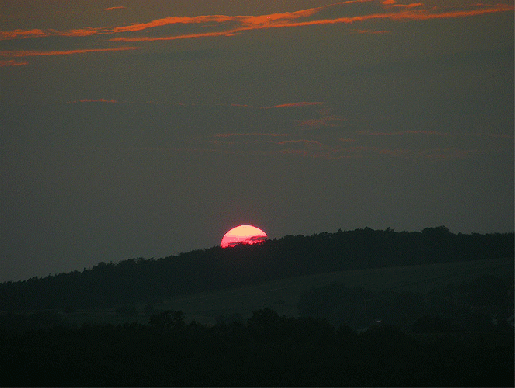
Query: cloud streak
(36, 53)
(12, 62)
(342, 143)
(231, 25)
(116, 7)
(213, 26)
(399, 133)
(290, 20)
(328, 148)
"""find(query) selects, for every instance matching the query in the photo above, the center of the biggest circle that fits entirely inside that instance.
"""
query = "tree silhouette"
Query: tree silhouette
(108, 285)
(167, 320)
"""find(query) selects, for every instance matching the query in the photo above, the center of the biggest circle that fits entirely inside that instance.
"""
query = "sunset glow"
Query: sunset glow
(243, 234)
(128, 127)
(230, 25)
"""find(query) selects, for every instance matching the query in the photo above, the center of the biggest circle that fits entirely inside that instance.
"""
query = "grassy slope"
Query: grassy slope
(283, 295)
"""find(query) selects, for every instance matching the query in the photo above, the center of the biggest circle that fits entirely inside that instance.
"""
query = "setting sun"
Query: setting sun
(243, 234)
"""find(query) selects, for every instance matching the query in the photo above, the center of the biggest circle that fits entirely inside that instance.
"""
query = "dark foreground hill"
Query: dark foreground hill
(152, 281)
(266, 350)
(360, 308)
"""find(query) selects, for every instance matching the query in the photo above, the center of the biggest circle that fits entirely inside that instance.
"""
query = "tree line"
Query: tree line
(266, 350)
(484, 304)
(154, 280)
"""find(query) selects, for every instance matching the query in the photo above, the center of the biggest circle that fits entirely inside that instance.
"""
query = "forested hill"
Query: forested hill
(153, 280)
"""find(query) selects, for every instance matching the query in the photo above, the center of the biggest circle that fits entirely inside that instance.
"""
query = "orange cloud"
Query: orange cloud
(33, 53)
(407, 15)
(38, 33)
(249, 134)
(435, 133)
(117, 7)
(35, 33)
(297, 104)
(373, 32)
(301, 141)
(176, 37)
(393, 3)
(288, 20)
(12, 62)
(246, 22)
(172, 20)
(326, 121)
(239, 24)
(333, 149)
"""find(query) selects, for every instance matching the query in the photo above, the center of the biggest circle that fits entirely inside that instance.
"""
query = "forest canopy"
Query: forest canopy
(153, 280)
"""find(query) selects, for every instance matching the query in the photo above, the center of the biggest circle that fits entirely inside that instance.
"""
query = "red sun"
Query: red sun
(243, 234)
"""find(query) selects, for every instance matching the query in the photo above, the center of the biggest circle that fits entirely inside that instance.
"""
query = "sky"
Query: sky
(146, 128)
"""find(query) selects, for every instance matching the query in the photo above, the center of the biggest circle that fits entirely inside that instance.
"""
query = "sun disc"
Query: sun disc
(243, 234)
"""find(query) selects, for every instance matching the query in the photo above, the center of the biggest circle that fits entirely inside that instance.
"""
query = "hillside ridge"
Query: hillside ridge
(152, 281)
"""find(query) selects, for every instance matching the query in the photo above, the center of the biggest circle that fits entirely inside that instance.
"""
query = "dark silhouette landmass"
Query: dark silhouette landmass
(153, 280)
(266, 350)
(484, 304)
(456, 334)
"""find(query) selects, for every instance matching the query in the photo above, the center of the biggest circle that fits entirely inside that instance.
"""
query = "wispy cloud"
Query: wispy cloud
(394, 12)
(224, 25)
(12, 62)
(339, 142)
(98, 100)
(297, 104)
(116, 7)
(393, 3)
(372, 32)
(226, 135)
(325, 121)
(333, 146)
(34, 53)
(302, 142)
(17, 34)
(205, 26)
(400, 133)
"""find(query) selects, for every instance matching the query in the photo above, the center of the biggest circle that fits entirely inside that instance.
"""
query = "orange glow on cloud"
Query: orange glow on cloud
(301, 141)
(33, 53)
(243, 234)
(176, 37)
(12, 62)
(393, 3)
(238, 24)
(117, 7)
(249, 134)
(370, 32)
(35, 33)
(297, 104)
(289, 19)
(38, 33)
(326, 121)
(331, 148)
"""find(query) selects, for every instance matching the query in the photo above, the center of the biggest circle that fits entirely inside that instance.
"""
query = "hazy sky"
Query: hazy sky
(148, 128)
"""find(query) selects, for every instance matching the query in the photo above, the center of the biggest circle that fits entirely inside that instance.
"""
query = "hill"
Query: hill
(284, 295)
(360, 308)
(109, 285)
(217, 342)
